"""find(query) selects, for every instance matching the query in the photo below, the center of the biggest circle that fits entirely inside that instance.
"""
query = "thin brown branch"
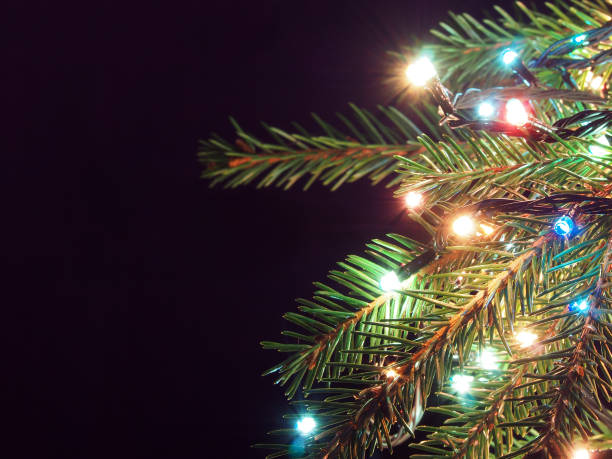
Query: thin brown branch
(332, 154)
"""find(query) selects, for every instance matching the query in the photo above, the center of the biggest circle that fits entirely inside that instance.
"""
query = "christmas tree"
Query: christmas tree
(500, 323)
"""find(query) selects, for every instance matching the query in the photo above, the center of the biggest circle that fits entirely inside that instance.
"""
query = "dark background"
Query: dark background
(137, 296)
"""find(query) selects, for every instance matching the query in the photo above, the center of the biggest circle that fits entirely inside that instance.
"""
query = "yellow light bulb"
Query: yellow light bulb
(516, 113)
(526, 338)
(420, 71)
(581, 454)
(596, 83)
(413, 199)
(486, 229)
(464, 226)
(596, 149)
(391, 373)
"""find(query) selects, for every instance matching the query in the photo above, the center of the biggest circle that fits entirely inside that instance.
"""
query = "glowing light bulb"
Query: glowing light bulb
(464, 226)
(420, 71)
(526, 338)
(413, 199)
(488, 360)
(508, 56)
(563, 226)
(462, 383)
(390, 282)
(581, 305)
(391, 373)
(486, 229)
(306, 425)
(486, 110)
(516, 113)
(598, 150)
(580, 38)
(596, 82)
(581, 454)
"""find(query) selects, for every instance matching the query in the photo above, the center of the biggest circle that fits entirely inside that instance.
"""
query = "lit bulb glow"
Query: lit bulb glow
(508, 56)
(581, 454)
(580, 38)
(486, 229)
(390, 282)
(486, 110)
(462, 383)
(596, 83)
(306, 425)
(464, 226)
(413, 199)
(599, 150)
(420, 71)
(488, 360)
(581, 305)
(563, 226)
(391, 373)
(516, 113)
(526, 338)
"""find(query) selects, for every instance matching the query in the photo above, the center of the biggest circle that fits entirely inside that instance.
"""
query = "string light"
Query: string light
(581, 305)
(420, 71)
(462, 383)
(596, 82)
(464, 226)
(581, 454)
(488, 360)
(390, 282)
(526, 338)
(580, 38)
(413, 199)
(508, 56)
(391, 373)
(598, 150)
(486, 110)
(563, 225)
(486, 229)
(306, 425)
(516, 113)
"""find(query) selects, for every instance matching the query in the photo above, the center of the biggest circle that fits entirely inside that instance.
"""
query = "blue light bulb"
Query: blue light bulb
(508, 56)
(581, 305)
(306, 425)
(563, 226)
(486, 110)
(580, 38)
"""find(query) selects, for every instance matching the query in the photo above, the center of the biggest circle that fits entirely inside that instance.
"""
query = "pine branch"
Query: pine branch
(366, 147)
(380, 398)
(551, 440)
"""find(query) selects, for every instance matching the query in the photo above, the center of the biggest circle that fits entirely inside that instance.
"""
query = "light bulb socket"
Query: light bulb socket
(441, 94)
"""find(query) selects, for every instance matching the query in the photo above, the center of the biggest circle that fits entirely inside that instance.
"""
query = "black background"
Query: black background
(140, 295)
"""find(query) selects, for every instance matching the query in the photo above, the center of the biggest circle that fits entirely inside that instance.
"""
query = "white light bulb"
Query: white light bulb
(463, 226)
(390, 282)
(306, 425)
(508, 56)
(420, 71)
(598, 150)
(516, 113)
(413, 199)
(462, 383)
(526, 338)
(581, 454)
(486, 110)
(488, 360)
